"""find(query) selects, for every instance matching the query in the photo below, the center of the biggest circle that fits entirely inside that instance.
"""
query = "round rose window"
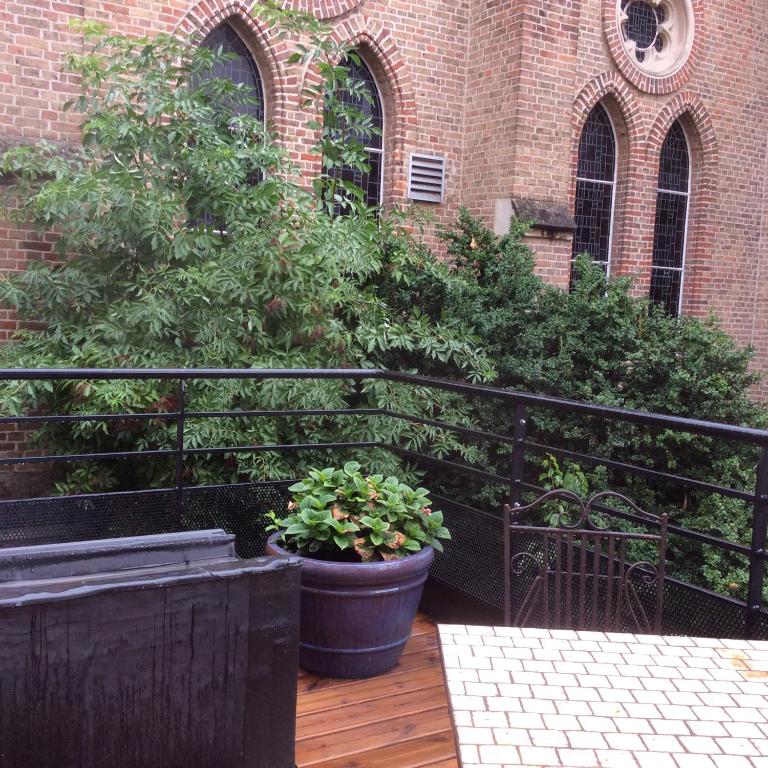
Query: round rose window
(657, 35)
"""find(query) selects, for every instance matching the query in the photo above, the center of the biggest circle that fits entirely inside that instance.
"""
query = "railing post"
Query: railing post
(757, 546)
(518, 455)
(517, 470)
(181, 410)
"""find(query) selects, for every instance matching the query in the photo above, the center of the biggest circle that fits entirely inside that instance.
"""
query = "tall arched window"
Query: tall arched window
(596, 189)
(672, 196)
(371, 181)
(239, 67)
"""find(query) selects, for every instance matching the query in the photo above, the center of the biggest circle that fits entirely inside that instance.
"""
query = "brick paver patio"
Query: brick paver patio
(536, 697)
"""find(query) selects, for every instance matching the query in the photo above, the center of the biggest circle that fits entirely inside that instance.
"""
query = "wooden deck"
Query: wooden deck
(398, 720)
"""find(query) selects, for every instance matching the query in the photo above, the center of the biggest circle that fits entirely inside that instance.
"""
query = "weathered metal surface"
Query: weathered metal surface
(188, 664)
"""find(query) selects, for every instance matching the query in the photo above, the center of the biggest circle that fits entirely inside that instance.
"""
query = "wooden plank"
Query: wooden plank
(380, 735)
(423, 625)
(368, 690)
(397, 720)
(415, 753)
(409, 663)
(425, 642)
(397, 705)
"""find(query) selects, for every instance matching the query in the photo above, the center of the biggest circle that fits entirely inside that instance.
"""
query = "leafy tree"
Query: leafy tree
(599, 343)
(171, 255)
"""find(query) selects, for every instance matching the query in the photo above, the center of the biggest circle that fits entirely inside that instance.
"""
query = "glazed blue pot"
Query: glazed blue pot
(356, 617)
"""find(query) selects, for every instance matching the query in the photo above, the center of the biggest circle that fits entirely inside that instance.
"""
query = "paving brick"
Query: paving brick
(690, 726)
(655, 760)
(574, 758)
(628, 741)
(539, 756)
(549, 738)
(516, 736)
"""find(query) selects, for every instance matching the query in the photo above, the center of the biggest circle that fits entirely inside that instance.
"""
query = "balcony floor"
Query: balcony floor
(398, 719)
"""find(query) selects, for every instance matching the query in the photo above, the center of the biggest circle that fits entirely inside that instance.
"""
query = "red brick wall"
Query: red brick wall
(502, 89)
(537, 68)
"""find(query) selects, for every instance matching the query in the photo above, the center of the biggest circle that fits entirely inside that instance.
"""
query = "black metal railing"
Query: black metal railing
(754, 617)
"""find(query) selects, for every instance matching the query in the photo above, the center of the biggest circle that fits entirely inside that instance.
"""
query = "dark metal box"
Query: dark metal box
(147, 652)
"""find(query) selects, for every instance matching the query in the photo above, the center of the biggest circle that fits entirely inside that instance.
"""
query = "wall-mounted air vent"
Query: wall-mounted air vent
(426, 178)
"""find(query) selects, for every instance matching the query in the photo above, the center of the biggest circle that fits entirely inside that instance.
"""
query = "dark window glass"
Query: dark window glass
(595, 185)
(671, 221)
(674, 167)
(641, 25)
(665, 289)
(239, 67)
(597, 148)
(593, 219)
(369, 106)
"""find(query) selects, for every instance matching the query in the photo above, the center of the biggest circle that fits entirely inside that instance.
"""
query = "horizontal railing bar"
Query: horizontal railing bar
(276, 413)
(643, 471)
(86, 456)
(88, 417)
(187, 452)
(52, 419)
(283, 447)
(703, 538)
(466, 431)
(474, 434)
(466, 469)
(682, 424)
(109, 374)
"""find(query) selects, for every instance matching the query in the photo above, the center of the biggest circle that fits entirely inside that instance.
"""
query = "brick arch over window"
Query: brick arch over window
(322, 9)
(689, 111)
(383, 58)
(609, 87)
(205, 16)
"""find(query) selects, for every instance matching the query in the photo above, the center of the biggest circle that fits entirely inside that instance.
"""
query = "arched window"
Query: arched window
(369, 105)
(672, 196)
(596, 189)
(239, 67)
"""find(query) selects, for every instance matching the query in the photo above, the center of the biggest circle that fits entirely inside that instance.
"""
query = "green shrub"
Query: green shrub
(333, 511)
(601, 344)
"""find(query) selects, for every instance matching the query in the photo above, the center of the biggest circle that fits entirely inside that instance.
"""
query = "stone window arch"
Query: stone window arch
(371, 105)
(670, 234)
(596, 181)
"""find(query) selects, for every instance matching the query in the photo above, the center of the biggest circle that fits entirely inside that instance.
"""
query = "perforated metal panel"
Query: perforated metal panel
(238, 509)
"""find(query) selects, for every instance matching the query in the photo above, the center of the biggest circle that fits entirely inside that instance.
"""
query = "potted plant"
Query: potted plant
(366, 545)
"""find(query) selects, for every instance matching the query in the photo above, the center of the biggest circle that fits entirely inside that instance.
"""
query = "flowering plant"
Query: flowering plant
(372, 518)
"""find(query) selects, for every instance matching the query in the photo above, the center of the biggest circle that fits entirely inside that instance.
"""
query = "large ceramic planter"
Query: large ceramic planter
(356, 617)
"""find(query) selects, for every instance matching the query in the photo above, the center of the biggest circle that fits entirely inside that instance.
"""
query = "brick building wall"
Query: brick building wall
(502, 89)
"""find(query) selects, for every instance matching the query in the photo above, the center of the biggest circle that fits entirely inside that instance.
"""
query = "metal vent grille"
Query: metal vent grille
(426, 178)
